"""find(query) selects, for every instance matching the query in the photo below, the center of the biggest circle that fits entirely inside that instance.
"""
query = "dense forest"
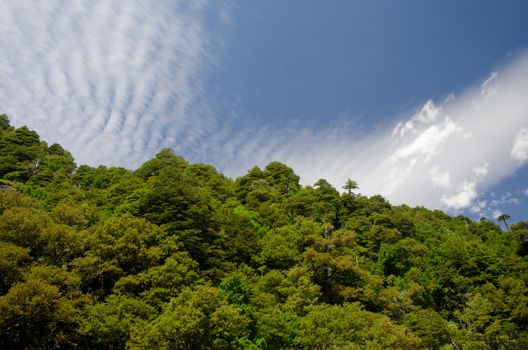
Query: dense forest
(175, 255)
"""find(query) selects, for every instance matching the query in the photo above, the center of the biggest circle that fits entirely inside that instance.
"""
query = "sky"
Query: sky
(423, 102)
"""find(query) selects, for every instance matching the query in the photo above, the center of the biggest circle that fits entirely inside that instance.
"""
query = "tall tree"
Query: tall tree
(4, 122)
(350, 185)
(503, 218)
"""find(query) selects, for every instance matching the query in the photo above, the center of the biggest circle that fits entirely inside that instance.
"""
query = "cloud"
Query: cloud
(113, 81)
(494, 203)
(463, 198)
(496, 214)
(519, 150)
(441, 179)
(116, 81)
(427, 142)
(445, 155)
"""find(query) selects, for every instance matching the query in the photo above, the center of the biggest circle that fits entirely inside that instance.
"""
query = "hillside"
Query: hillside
(175, 255)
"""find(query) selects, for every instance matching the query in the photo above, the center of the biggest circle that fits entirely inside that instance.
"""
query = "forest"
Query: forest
(174, 255)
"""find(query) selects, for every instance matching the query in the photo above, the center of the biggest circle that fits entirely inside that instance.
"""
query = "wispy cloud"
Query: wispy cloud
(114, 81)
(519, 150)
(445, 155)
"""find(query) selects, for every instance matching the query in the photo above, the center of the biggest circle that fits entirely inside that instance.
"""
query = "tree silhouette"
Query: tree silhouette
(503, 218)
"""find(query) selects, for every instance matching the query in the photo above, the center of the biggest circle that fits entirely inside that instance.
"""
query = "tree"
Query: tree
(334, 266)
(4, 123)
(520, 232)
(12, 261)
(281, 177)
(23, 227)
(34, 315)
(108, 325)
(244, 184)
(159, 284)
(350, 185)
(177, 256)
(351, 327)
(430, 327)
(503, 218)
(199, 319)
(20, 151)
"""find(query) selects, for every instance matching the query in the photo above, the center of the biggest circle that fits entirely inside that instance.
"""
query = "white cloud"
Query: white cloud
(444, 156)
(441, 179)
(496, 213)
(506, 198)
(113, 81)
(519, 150)
(494, 205)
(427, 142)
(479, 207)
(481, 171)
(462, 198)
(489, 87)
(426, 115)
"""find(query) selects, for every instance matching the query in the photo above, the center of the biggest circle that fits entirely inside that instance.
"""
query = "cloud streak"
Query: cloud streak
(116, 81)
(446, 155)
(113, 81)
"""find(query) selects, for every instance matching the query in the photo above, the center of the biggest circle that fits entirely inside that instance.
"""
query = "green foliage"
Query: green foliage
(351, 327)
(23, 227)
(195, 319)
(20, 150)
(432, 329)
(159, 284)
(175, 255)
(13, 260)
(14, 199)
(108, 325)
(4, 123)
(281, 177)
(33, 314)
(281, 248)
(398, 258)
(132, 243)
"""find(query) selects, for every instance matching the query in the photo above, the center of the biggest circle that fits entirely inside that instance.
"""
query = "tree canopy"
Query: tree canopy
(175, 255)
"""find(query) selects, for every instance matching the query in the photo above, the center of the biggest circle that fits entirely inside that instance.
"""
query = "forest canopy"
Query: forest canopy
(175, 255)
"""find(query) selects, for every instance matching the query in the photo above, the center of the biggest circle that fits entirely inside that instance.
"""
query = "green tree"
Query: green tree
(350, 185)
(199, 319)
(4, 123)
(504, 218)
(351, 327)
(432, 329)
(281, 177)
(333, 261)
(23, 227)
(160, 283)
(108, 325)
(13, 260)
(34, 315)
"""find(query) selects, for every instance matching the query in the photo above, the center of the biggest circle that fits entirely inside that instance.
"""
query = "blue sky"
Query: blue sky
(421, 101)
(305, 59)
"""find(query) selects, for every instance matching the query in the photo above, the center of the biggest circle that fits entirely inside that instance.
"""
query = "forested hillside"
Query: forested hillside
(175, 255)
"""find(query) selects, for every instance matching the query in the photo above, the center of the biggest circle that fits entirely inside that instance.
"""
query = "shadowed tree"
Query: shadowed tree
(503, 218)
(4, 122)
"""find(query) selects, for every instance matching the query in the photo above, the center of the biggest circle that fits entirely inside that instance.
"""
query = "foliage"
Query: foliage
(175, 255)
